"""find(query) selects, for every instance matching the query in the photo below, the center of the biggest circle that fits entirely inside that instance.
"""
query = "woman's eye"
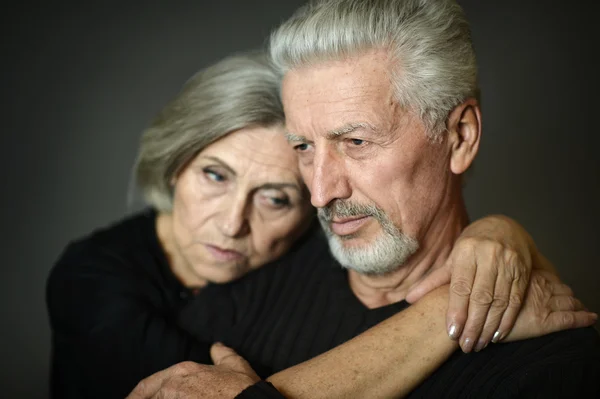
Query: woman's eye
(279, 202)
(274, 199)
(214, 176)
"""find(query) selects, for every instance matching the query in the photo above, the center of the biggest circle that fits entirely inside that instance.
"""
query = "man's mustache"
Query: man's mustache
(344, 209)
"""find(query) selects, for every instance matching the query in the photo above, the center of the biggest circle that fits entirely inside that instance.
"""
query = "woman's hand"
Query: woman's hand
(488, 270)
(549, 306)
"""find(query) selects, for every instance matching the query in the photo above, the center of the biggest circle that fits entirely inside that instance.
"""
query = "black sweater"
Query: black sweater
(118, 315)
(283, 315)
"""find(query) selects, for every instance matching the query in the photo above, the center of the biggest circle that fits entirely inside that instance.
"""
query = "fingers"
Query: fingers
(562, 289)
(220, 353)
(498, 308)
(433, 280)
(564, 320)
(565, 303)
(516, 297)
(481, 299)
(566, 311)
(463, 274)
(227, 358)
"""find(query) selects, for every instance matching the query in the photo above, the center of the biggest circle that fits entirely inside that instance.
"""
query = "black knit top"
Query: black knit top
(118, 315)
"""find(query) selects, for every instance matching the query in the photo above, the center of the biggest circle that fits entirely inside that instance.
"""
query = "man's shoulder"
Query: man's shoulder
(561, 364)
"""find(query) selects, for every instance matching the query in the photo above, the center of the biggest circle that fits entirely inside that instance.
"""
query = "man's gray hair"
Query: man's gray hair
(429, 41)
(238, 92)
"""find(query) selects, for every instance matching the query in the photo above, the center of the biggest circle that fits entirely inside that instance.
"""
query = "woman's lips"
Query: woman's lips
(224, 255)
(343, 227)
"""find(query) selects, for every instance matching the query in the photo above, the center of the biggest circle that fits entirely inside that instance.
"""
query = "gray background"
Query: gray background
(79, 83)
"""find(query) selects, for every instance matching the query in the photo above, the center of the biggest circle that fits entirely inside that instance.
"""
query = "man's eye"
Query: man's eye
(301, 147)
(357, 142)
(214, 176)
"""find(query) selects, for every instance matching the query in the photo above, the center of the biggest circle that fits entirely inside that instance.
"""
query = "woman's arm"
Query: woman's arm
(107, 332)
(488, 271)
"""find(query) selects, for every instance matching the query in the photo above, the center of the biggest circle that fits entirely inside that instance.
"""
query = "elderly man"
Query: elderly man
(381, 103)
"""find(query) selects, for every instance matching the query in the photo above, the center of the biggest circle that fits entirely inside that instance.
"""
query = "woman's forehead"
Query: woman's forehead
(256, 153)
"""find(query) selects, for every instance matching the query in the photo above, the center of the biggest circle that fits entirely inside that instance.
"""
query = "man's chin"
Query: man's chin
(373, 256)
(355, 241)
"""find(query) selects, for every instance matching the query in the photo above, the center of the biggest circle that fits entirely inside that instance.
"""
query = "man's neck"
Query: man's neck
(377, 291)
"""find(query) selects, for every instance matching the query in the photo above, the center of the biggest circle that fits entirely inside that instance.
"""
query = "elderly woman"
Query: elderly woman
(227, 198)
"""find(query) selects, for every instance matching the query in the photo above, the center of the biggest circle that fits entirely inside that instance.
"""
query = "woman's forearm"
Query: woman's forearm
(388, 360)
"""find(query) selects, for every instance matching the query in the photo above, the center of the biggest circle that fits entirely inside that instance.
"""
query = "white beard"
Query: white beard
(385, 254)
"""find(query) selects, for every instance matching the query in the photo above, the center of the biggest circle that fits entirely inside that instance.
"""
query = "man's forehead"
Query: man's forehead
(334, 110)
(306, 83)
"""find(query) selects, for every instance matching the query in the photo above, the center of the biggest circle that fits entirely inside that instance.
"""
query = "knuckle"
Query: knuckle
(482, 298)
(515, 301)
(499, 303)
(513, 258)
(567, 319)
(467, 247)
(169, 390)
(566, 290)
(538, 280)
(141, 386)
(461, 288)
(185, 367)
(486, 248)
(468, 243)
(571, 303)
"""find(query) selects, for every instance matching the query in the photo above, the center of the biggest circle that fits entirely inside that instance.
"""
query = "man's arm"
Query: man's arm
(390, 359)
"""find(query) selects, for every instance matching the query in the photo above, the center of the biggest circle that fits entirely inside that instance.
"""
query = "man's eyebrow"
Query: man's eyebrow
(349, 128)
(220, 162)
(294, 138)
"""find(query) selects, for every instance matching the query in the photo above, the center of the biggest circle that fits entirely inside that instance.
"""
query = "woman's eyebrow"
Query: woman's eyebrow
(278, 186)
(220, 162)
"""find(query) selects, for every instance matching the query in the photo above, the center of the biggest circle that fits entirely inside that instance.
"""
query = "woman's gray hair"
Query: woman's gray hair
(429, 41)
(238, 92)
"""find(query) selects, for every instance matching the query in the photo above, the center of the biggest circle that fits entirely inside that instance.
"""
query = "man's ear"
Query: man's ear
(464, 133)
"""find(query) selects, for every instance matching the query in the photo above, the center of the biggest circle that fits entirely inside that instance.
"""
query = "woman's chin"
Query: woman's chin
(223, 273)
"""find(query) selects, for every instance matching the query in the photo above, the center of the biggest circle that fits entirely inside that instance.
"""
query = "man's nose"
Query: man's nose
(328, 179)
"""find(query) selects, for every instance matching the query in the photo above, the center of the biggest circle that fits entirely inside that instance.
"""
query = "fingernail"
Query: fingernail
(496, 337)
(467, 345)
(453, 332)
(480, 345)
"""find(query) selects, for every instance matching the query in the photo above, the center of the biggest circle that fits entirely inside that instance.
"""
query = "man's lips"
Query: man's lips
(223, 254)
(346, 226)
